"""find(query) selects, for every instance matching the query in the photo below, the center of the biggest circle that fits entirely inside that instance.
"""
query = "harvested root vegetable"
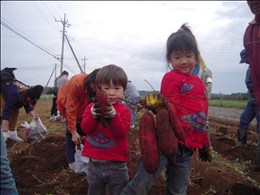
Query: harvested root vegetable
(154, 101)
(175, 123)
(166, 137)
(148, 143)
(102, 98)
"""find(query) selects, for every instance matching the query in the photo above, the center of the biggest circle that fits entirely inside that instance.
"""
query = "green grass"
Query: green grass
(213, 102)
(228, 103)
(45, 97)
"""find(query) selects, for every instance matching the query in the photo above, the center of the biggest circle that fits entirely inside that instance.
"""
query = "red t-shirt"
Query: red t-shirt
(188, 95)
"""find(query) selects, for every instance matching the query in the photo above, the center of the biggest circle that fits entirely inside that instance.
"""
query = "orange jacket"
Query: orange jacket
(72, 99)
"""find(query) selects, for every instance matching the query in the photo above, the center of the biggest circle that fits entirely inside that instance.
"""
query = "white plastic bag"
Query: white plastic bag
(35, 131)
(80, 161)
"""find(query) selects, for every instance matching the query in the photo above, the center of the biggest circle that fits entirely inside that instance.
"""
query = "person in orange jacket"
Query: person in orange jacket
(72, 99)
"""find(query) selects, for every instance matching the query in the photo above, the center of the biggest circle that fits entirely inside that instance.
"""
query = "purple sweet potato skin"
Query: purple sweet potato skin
(175, 123)
(102, 99)
(166, 137)
(148, 144)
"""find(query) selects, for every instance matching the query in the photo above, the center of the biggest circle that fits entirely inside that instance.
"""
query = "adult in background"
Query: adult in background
(15, 95)
(205, 74)
(133, 95)
(72, 99)
(252, 46)
(59, 81)
(251, 109)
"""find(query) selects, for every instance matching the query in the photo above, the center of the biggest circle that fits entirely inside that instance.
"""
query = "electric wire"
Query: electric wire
(27, 39)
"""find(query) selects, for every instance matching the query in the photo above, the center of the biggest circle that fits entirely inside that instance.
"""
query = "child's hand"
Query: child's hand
(110, 111)
(205, 154)
(96, 110)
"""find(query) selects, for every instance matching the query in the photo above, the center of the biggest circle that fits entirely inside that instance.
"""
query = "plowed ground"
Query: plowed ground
(40, 167)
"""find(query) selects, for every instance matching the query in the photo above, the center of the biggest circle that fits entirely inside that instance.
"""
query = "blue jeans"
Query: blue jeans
(249, 113)
(112, 174)
(70, 145)
(8, 186)
(177, 172)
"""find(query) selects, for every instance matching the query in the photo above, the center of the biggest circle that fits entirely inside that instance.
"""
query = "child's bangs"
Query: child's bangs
(115, 78)
(184, 44)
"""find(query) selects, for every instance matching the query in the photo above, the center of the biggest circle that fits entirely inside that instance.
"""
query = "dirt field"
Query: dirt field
(40, 168)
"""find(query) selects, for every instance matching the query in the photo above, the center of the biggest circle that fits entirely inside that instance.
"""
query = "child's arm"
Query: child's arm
(121, 122)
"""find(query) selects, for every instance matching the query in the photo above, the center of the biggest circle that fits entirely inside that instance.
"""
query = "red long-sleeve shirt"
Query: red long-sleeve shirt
(108, 143)
(188, 95)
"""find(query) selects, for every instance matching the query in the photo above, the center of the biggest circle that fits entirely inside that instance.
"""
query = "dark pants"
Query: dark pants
(70, 145)
(54, 109)
(250, 112)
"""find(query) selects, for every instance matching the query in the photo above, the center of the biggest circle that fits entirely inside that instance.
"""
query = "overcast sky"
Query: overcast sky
(130, 34)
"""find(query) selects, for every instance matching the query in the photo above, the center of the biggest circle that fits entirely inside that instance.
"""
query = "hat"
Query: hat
(243, 56)
(35, 92)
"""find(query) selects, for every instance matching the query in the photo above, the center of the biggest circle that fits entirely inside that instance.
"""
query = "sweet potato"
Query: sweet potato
(154, 101)
(101, 98)
(166, 137)
(175, 123)
(148, 144)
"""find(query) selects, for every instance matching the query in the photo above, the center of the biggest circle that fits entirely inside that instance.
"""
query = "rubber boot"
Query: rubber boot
(242, 138)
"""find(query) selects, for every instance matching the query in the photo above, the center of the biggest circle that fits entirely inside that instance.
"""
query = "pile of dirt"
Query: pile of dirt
(40, 167)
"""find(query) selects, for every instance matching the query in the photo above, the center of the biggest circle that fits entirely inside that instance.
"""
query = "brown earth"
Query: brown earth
(40, 168)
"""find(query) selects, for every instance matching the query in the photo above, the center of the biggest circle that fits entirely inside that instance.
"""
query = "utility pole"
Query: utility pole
(55, 76)
(84, 64)
(65, 24)
(74, 54)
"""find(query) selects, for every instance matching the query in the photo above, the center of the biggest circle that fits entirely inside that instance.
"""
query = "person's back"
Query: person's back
(131, 91)
(72, 99)
(61, 80)
(133, 95)
(58, 82)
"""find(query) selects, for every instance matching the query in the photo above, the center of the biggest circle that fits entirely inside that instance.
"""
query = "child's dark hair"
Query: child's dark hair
(90, 79)
(182, 41)
(112, 73)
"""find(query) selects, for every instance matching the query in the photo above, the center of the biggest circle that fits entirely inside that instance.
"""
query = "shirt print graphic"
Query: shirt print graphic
(197, 121)
(101, 141)
(186, 87)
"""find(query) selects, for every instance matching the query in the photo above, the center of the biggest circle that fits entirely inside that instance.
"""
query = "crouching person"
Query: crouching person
(12, 99)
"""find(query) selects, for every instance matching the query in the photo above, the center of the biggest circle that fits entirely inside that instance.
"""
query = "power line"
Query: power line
(19, 34)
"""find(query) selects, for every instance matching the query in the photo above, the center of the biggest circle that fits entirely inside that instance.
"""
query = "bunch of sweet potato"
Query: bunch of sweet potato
(158, 130)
